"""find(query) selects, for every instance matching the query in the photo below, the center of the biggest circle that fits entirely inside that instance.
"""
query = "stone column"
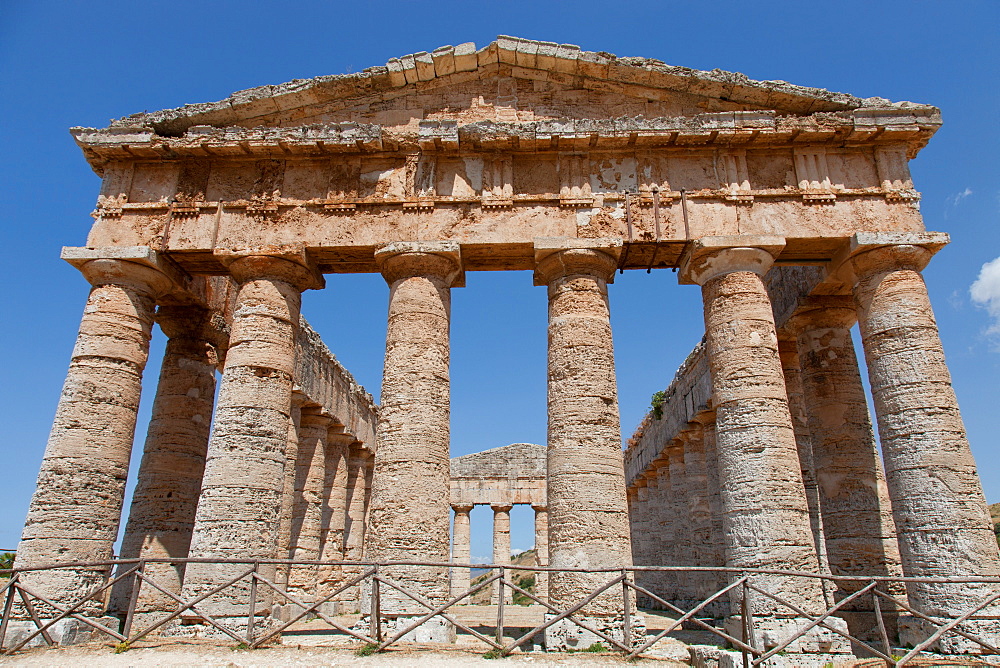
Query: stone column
(288, 489)
(501, 547)
(699, 510)
(239, 509)
(766, 514)
(161, 517)
(679, 511)
(77, 503)
(307, 507)
(541, 550)
(716, 548)
(461, 552)
(664, 528)
(857, 519)
(588, 517)
(359, 471)
(788, 353)
(938, 506)
(332, 547)
(410, 501)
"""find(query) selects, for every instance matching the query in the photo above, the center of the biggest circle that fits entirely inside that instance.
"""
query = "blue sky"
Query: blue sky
(70, 63)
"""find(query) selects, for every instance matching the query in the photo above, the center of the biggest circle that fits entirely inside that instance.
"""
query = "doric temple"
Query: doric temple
(790, 208)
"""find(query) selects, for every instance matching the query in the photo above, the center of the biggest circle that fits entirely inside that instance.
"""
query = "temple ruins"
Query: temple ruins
(791, 209)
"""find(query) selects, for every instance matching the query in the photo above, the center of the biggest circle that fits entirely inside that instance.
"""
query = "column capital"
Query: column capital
(497, 508)
(193, 322)
(462, 508)
(869, 253)
(828, 312)
(557, 257)
(316, 416)
(709, 257)
(288, 264)
(406, 259)
(137, 267)
(540, 509)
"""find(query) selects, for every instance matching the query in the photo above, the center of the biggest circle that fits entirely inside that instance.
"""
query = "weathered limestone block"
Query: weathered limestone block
(663, 529)
(161, 518)
(91, 438)
(588, 517)
(678, 510)
(765, 508)
(501, 548)
(699, 511)
(460, 551)
(542, 551)
(409, 517)
(239, 509)
(937, 500)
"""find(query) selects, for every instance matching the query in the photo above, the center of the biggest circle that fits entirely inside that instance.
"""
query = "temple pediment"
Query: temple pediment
(508, 95)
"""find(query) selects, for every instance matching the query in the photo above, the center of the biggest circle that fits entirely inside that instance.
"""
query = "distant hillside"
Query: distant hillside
(523, 579)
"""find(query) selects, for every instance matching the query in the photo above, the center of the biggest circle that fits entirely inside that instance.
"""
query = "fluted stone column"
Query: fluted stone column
(938, 506)
(765, 508)
(588, 517)
(334, 516)
(307, 508)
(161, 517)
(410, 502)
(501, 547)
(77, 503)
(542, 550)
(285, 542)
(461, 551)
(239, 509)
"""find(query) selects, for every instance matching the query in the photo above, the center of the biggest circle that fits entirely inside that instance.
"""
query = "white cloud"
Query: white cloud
(955, 199)
(985, 293)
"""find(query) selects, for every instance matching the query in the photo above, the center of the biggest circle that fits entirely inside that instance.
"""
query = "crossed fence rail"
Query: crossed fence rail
(742, 588)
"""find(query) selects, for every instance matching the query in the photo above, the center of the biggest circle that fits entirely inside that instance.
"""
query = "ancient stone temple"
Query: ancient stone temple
(790, 208)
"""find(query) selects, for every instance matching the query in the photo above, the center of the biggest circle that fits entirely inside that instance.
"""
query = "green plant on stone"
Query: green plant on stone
(656, 403)
(493, 654)
(239, 647)
(122, 647)
(6, 562)
(367, 649)
(596, 647)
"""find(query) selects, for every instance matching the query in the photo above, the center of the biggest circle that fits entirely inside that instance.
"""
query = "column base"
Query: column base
(913, 631)
(770, 632)
(63, 632)
(566, 635)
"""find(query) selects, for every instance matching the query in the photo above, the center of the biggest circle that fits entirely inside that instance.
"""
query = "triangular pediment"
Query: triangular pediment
(511, 80)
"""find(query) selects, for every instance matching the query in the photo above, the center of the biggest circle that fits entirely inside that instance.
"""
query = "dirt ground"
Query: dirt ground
(204, 654)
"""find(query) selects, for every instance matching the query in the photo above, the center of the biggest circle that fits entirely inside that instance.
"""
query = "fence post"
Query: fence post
(500, 597)
(252, 609)
(133, 600)
(627, 605)
(375, 624)
(881, 625)
(745, 614)
(8, 604)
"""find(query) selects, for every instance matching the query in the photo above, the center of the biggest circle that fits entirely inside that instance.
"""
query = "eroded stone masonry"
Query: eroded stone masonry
(791, 208)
